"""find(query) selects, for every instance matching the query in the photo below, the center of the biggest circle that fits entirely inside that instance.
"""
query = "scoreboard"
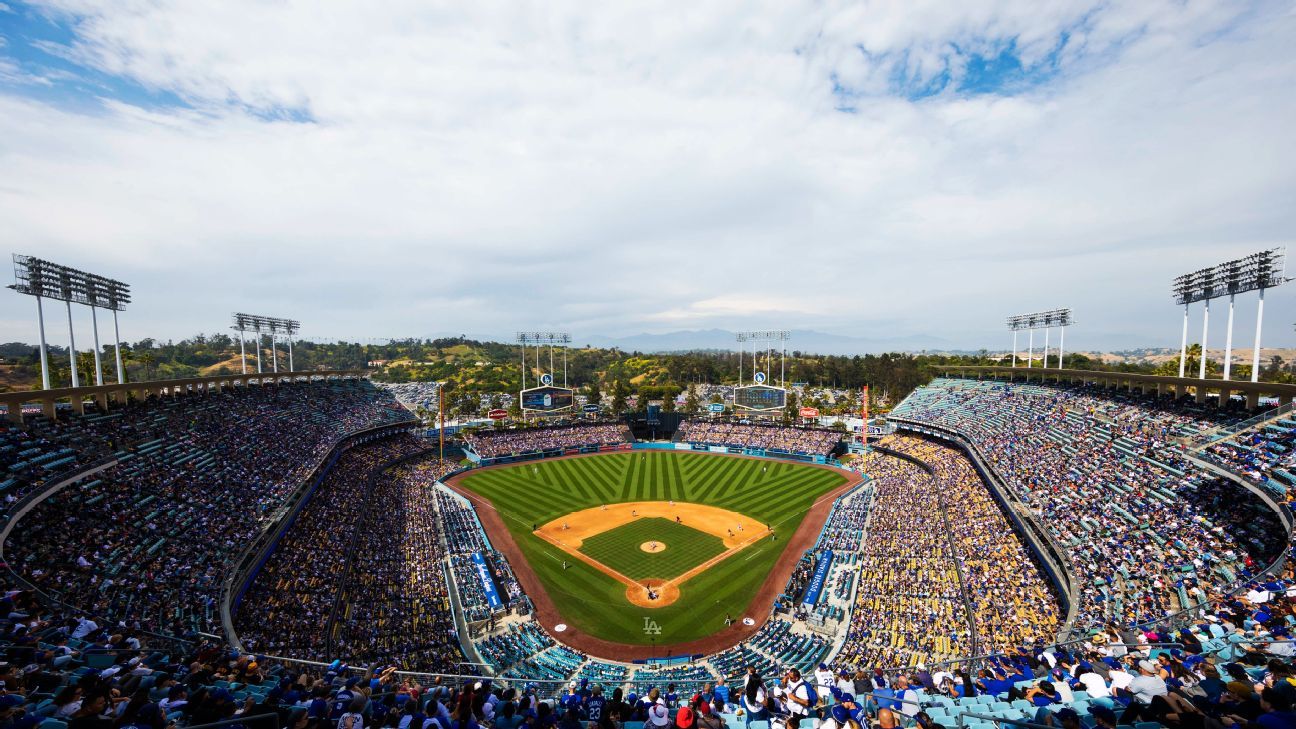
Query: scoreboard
(760, 397)
(547, 399)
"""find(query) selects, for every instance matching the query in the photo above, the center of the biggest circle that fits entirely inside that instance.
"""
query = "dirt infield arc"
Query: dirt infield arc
(569, 532)
(549, 615)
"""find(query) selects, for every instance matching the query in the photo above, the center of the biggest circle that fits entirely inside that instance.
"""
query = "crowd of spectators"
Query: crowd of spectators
(1264, 455)
(1011, 600)
(909, 607)
(806, 441)
(289, 607)
(497, 443)
(194, 480)
(360, 572)
(396, 602)
(844, 528)
(1148, 533)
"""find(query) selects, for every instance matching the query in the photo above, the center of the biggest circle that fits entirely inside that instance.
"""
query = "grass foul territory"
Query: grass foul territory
(696, 527)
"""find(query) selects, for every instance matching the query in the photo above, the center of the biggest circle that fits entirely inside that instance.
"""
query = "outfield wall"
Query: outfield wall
(729, 449)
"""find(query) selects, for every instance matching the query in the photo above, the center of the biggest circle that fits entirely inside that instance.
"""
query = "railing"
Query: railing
(13, 401)
(1232, 431)
(268, 720)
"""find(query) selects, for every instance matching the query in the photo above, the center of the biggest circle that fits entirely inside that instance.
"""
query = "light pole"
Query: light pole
(46, 280)
(1256, 272)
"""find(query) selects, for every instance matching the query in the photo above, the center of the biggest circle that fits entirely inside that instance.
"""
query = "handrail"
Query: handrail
(58, 393)
(1220, 435)
(21, 508)
(241, 719)
(1278, 389)
(349, 558)
(974, 637)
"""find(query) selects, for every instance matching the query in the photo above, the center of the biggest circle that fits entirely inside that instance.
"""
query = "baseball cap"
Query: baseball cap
(840, 714)
(1068, 713)
(684, 718)
(658, 715)
(847, 698)
(1148, 666)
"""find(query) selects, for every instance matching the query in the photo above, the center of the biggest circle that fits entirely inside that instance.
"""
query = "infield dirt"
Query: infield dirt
(570, 531)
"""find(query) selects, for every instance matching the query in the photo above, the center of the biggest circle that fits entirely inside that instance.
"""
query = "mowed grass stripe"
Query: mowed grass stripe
(661, 480)
(586, 477)
(791, 484)
(607, 477)
(711, 478)
(652, 483)
(575, 478)
(631, 478)
(699, 480)
(677, 479)
(726, 480)
(757, 493)
(502, 488)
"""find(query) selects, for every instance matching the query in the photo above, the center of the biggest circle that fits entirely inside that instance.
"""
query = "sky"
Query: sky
(408, 168)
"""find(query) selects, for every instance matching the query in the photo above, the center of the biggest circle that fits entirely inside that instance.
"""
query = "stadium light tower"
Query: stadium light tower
(43, 279)
(255, 322)
(1060, 318)
(1256, 272)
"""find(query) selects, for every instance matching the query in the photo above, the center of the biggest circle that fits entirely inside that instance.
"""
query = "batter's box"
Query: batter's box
(653, 547)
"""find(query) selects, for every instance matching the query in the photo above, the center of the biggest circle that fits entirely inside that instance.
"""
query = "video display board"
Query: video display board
(760, 397)
(547, 399)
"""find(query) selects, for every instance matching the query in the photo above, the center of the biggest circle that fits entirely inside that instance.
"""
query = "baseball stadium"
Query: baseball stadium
(994, 537)
(795, 365)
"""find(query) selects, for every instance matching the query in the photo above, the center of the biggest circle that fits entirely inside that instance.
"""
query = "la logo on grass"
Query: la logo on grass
(651, 627)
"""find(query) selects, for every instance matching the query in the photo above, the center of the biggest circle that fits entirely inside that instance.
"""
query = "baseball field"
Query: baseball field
(626, 542)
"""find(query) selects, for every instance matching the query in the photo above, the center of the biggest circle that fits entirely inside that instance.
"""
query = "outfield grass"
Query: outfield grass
(773, 492)
(621, 550)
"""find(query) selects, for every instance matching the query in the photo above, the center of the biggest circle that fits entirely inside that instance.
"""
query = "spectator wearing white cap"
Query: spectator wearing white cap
(658, 714)
(1147, 685)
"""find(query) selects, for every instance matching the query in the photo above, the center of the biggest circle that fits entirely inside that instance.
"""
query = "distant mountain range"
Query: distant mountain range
(800, 340)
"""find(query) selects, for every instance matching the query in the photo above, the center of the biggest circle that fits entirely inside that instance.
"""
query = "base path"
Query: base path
(759, 609)
(569, 532)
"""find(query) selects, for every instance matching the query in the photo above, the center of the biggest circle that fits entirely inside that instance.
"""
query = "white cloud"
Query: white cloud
(489, 166)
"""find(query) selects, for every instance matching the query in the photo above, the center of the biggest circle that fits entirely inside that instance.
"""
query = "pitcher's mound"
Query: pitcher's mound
(653, 593)
(653, 547)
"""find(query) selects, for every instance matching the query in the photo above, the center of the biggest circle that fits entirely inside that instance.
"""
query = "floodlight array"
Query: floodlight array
(257, 323)
(1041, 320)
(44, 279)
(542, 338)
(1261, 270)
(39, 277)
(764, 335)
